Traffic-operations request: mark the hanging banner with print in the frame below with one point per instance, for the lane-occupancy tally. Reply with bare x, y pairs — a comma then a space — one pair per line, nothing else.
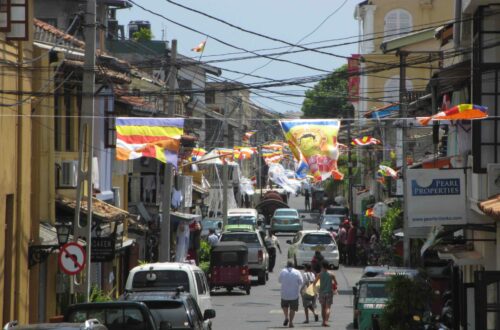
316, 141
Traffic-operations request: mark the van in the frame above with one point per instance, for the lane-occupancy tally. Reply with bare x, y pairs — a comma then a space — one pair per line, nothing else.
242, 217
169, 276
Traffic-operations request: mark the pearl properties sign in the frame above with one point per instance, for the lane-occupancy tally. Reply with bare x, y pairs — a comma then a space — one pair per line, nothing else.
436, 197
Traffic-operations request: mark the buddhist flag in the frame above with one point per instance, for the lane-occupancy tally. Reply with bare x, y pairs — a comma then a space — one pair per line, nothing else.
458, 112
248, 135
244, 152
387, 171
149, 137
200, 48
369, 212
365, 141
316, 140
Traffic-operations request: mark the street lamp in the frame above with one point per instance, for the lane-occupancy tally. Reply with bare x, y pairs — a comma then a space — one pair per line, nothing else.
39, 253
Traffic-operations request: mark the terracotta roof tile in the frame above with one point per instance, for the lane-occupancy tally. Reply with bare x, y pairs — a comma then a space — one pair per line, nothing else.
58, 33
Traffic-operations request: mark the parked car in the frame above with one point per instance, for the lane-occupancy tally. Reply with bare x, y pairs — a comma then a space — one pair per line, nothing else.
370, 294
169, 276
306, 242
86, 325
286, 220
258, 258
175, 309
242, 217
330, 221
116, 315
211, 223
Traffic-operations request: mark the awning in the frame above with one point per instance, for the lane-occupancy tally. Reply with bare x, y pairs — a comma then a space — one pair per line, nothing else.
101, 210
461, 255
48, 235
385, 111
453, 77
491, 207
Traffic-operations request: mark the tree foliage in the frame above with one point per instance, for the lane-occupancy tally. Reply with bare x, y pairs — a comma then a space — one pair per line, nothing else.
143, 34
408, 297
328, 98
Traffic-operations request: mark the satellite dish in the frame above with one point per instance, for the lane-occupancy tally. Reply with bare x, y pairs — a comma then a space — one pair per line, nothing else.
380, 209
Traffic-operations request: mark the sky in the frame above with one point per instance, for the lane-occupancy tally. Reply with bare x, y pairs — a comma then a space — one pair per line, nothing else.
288, 20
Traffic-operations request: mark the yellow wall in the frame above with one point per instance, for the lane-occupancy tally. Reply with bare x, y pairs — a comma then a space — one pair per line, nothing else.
15, 180
422, 17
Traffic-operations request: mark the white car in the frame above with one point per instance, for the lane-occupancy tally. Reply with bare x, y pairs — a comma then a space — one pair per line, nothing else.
306, 242
168, 276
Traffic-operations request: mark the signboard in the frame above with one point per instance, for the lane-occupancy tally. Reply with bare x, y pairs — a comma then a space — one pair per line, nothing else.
72, 258
353, 69
436, 197
103, 249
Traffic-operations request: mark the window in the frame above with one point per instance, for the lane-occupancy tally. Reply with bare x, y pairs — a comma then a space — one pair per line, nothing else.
210, 97
162, 279
4, 15
391, 89
486, 88
199, 283
18, 20
109, 124
240, 237
317, 239
397, 22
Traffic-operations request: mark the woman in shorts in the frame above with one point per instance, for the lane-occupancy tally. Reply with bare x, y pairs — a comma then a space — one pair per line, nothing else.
327, 287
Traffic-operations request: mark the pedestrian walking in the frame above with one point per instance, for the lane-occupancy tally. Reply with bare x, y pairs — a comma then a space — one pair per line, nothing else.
351, 245
306, 200
327, 288
341, 242
291, 282
308, 301
272, 244
213, 239
316, 262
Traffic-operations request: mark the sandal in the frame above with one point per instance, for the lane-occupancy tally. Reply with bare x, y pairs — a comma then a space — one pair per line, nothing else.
285, 322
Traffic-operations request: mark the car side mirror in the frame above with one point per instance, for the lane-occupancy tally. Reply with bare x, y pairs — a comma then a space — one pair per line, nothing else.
208, 314
165, 325
288, 241
354, 291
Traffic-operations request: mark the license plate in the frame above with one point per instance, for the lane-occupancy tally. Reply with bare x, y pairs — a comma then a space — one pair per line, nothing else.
318, 248
285, 222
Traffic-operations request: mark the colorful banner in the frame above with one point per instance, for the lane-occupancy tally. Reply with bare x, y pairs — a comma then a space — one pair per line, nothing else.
458, 112
149, 137
244, 152
272, 153
248, 135
192, 154
387, 171
316, 141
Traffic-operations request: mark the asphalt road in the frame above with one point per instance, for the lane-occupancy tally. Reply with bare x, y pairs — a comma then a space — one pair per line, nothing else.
261, 309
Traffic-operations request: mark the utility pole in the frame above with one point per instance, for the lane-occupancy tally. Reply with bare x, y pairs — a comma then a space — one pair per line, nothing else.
225, 171
164, 245
83, 229
404, 115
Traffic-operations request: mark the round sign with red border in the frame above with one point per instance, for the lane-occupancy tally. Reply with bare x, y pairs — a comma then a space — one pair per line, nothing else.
72, 258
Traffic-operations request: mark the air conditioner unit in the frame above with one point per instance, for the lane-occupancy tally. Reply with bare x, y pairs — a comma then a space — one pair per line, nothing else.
493, 173
69, 174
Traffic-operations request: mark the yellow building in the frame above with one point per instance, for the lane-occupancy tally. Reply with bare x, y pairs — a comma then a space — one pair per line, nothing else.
15, 168
384, 20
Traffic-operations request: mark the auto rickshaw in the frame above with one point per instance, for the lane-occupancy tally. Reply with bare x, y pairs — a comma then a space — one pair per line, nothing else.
229, 267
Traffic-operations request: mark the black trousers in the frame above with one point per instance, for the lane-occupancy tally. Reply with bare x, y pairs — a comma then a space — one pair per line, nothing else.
272, 258
351, 254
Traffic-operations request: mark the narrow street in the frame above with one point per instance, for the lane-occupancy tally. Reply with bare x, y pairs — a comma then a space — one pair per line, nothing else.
261, 309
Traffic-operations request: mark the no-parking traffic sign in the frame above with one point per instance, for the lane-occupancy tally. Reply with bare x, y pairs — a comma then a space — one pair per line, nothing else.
72, 258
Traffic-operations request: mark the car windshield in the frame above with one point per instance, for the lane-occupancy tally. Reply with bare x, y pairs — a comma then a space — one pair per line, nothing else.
240, 237
206, 224
336, 210
317, 239
286, 213
166, 280
170, 311
332, 221
241, 220
373, 290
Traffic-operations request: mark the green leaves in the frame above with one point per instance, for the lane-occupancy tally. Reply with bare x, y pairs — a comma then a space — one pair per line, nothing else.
328, 98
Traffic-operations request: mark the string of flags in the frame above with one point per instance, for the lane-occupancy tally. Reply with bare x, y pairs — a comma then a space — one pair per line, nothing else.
365, 141
200, 48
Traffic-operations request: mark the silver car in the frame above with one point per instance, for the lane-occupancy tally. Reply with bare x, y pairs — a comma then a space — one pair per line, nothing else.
307, 242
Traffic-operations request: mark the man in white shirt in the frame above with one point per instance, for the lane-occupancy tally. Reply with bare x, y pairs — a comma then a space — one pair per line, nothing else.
213, 239
291, 281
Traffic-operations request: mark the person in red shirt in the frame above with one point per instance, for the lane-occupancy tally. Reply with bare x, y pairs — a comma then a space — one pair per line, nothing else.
351, 245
